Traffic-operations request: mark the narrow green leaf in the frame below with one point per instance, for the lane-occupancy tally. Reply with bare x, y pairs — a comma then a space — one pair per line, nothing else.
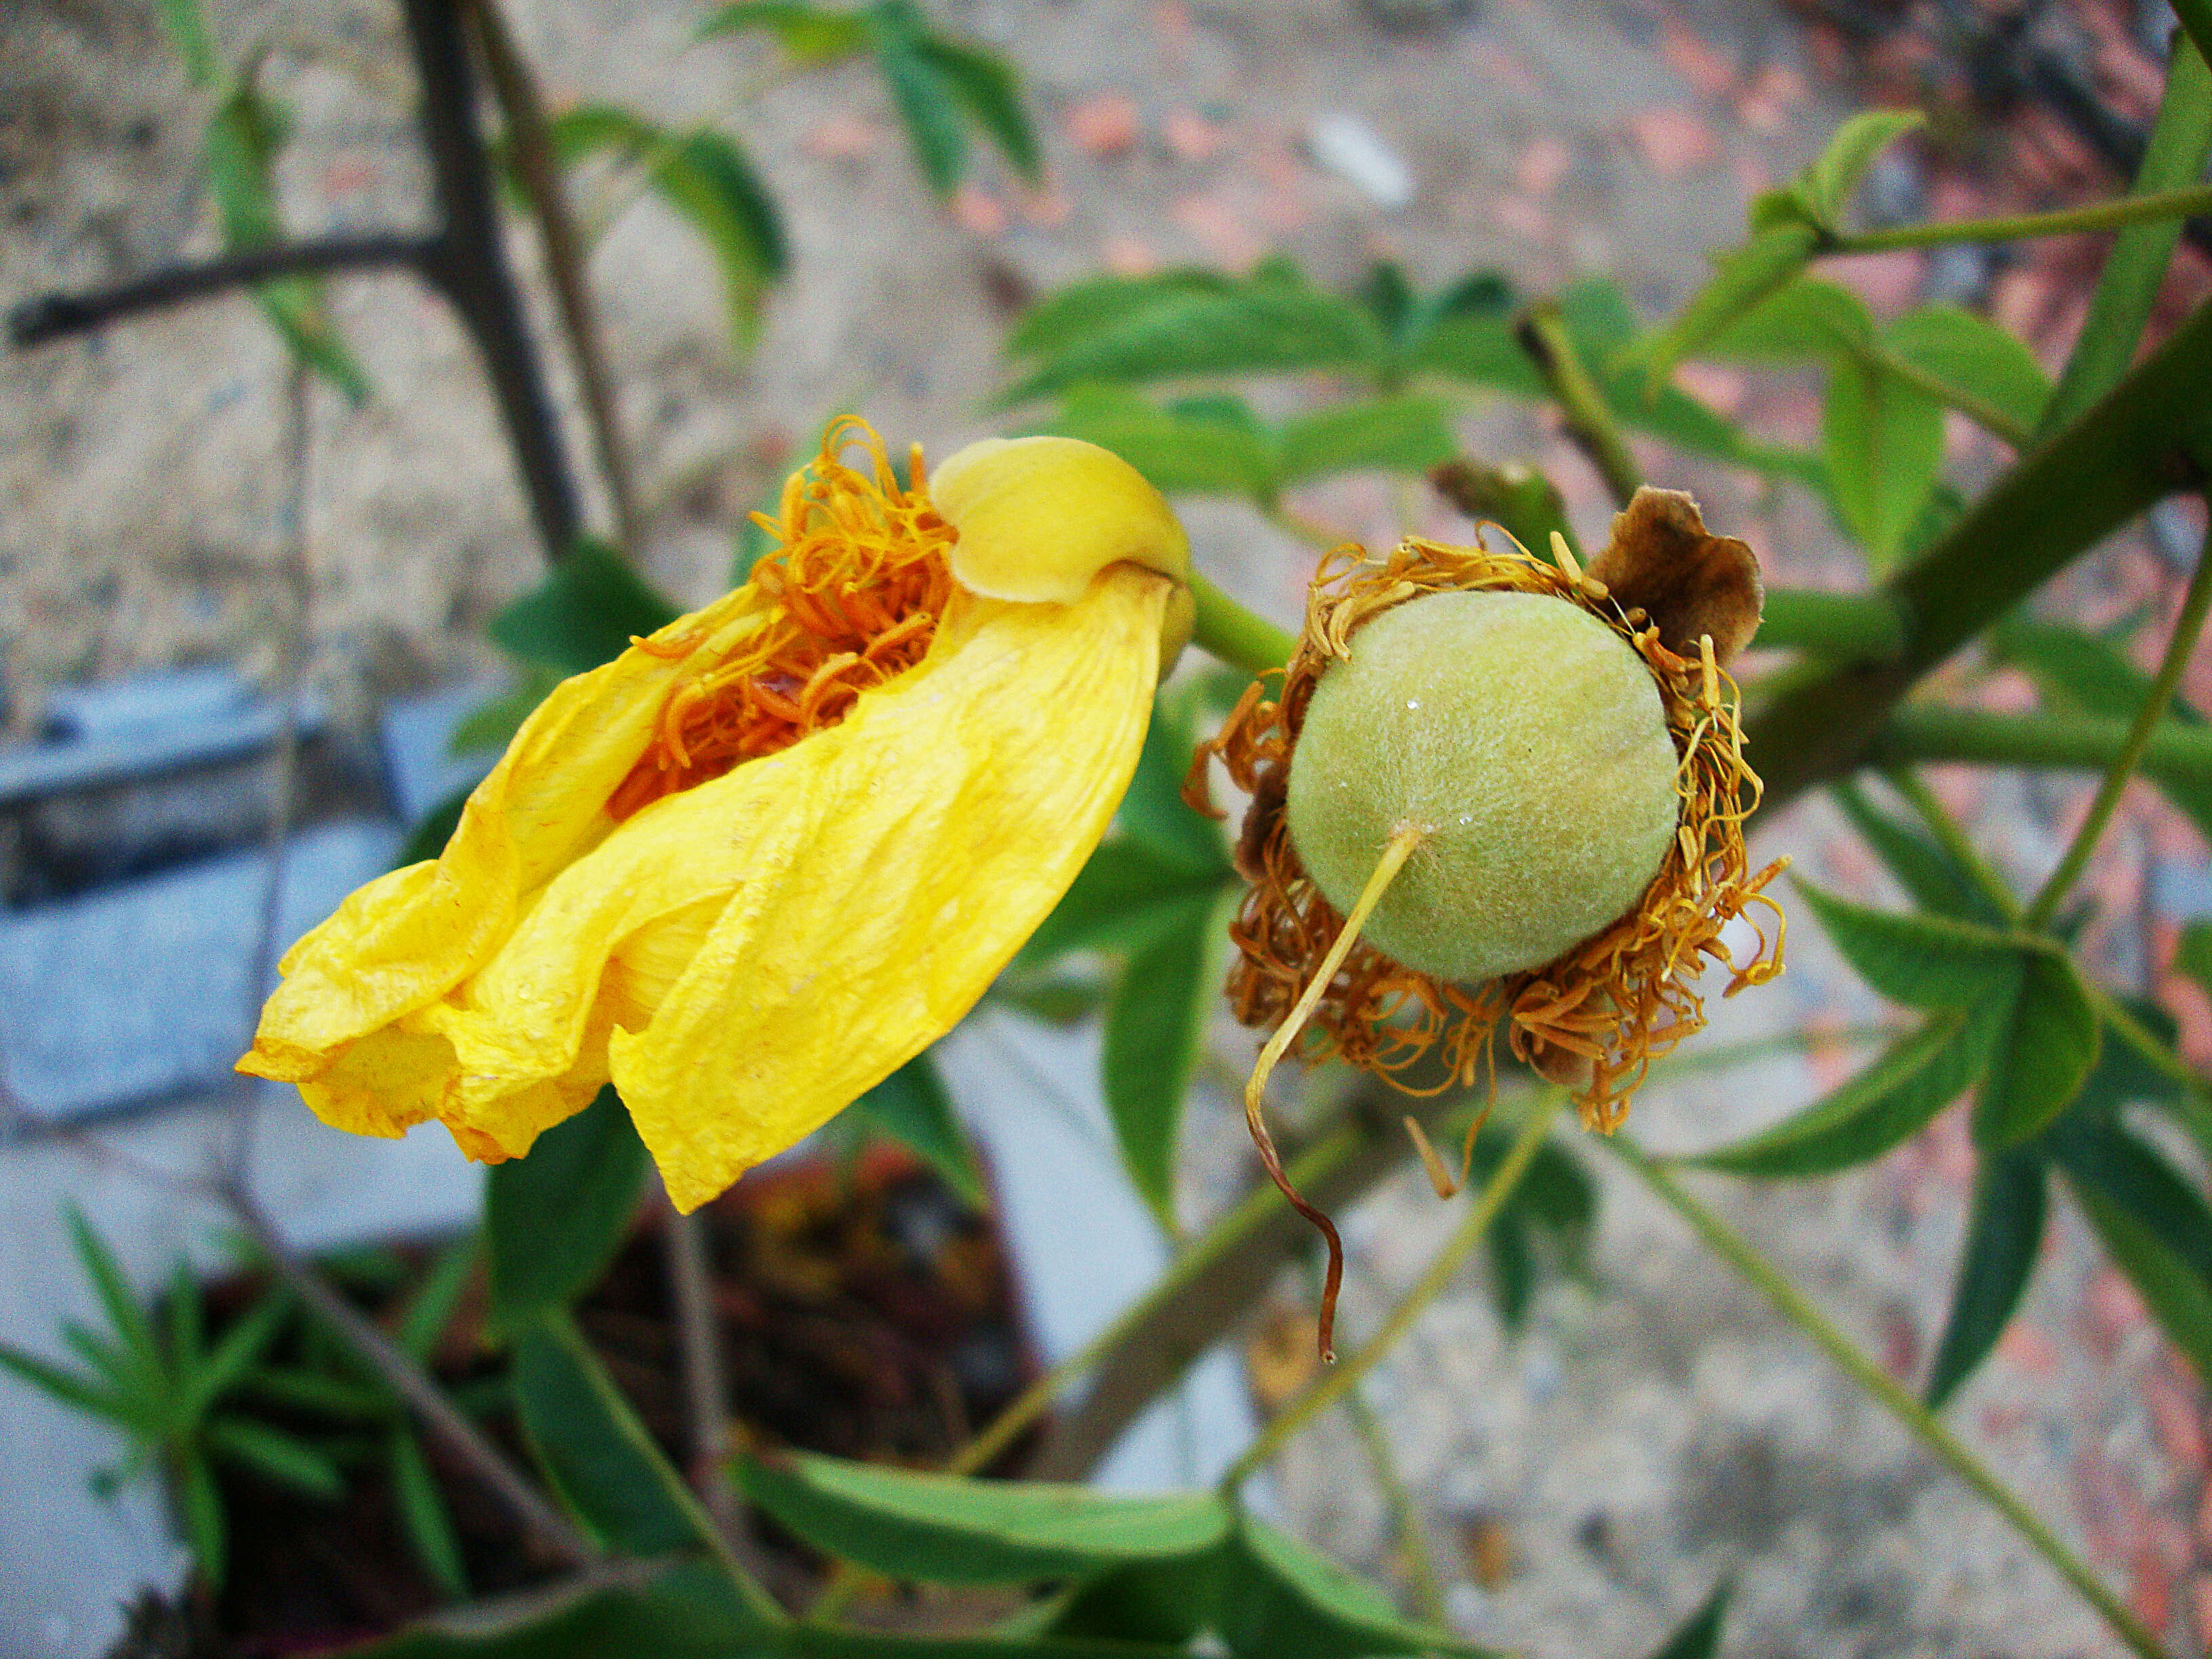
186, 22
991, 92
594, 1449
689, 1612
2152, 1223
813, 35
584, 612
2041, 1063
925, 99
1884, 1106
1127, 897
239, 1347
1827, 183
422, 1513
2004, 1231
1918, 961
1974, 355
1928, 874
1806, 319
1154, 1027
125, 1316
1178, 452
816, 1641
1884, 444
312, 1391
913, 1107
1282, 1601
1699, 1636
1393, 434
199, 1507
1153, 811
65, 1388
283, 1458
553, 1220
432, 1307
2135, 269
943, 1529
1743, 277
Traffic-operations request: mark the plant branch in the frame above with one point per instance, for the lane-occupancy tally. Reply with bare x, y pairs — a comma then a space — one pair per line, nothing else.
1237, 636
2067, 221
2080, 743
1543, 335
56, 316
1884, 1390
1420, 1561
1845, 627
530, 139
706, 1387
1332, 1388
2187, 627
554, 1533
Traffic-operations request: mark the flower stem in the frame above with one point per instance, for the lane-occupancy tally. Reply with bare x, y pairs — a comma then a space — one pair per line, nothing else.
2098, 216
1440, 1272
1885, 1391
2186, 627
1235, 635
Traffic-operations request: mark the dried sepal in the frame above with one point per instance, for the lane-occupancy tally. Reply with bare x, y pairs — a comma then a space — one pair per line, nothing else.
1662, 561
1593, 1017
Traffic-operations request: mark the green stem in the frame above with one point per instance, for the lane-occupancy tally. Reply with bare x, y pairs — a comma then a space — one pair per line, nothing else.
1235, 635
2178, 647
1976, 408
1405, 1516
1884, 1390
2195, 1113
2174, 753
1543, 335
2098, 216
1333, 1387
1852, 627
1953, 840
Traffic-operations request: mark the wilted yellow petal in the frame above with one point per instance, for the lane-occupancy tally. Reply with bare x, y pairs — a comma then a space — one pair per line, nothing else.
892, 865
1039, 517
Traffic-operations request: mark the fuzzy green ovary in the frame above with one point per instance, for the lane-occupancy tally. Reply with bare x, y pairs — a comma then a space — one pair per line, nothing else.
1526, 739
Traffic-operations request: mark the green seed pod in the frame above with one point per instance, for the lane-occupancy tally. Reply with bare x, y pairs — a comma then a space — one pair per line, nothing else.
1528, 743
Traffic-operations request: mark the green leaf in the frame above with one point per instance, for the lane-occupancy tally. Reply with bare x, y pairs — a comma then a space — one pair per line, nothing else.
704, 176
926, 105
1282, 1601
2193, 955
594, 1449
1482, 351
553, 1220
583, 614
312, 1391
1178, 450
283, 1458
942, 1529
1099, 305
1168, 1601
691, 1613
188, 25
1512, 1269
239, 1347
141, 1349
431, 1309
199, 1507
1153, 811
811, 34
1699, 1636
1127, 897
493, 723
65, 1388
914, 1108
1933, 878
814, 1642
2041, 1063
1392, 435
2004, 1231
991, 92
1806, 319
428, 839
1743, 277
1919, 961
422, 1513
1154, 1027
1884, 1106
1975, 356
2151, 1221
1825, 186
1884, 444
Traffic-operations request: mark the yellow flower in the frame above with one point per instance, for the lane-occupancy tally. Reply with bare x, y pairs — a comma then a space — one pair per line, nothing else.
765, 857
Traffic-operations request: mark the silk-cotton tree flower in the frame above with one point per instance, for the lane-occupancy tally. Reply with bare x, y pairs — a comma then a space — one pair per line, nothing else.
766, 856
1495, 792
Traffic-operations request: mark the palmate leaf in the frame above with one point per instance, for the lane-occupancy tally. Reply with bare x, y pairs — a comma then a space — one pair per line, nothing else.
1742, 276
279, 1456
946, 1530
2151, 1221
2004, 1231
1127, 897
583, 613
1280, 1600
1970, 353
813, 35
1930, 876
2044, 1057
1915, 960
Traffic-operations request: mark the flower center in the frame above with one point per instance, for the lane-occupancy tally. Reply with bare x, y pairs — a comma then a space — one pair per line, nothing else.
850, 599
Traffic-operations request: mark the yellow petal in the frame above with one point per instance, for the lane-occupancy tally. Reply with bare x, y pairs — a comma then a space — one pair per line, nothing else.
889, 867
1039, 517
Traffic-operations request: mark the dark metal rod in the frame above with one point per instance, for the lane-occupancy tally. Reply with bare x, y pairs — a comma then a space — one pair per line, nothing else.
55, 316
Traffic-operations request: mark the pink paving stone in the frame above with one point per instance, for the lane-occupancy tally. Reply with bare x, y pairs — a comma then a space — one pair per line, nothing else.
1190, 135
1105, 125
1671, 140
1129, 256
978, 212
2026, 1347
2113, 1308
1539, 168
1226, 238
1493, 63
1709, 74
1522, 217
1889, 283
1714, 384
2185, 1000
2150, 1588
1048, 208
845, 136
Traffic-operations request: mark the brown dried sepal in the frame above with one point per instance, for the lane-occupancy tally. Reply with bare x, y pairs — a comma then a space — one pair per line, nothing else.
1594, 1019
1662, 561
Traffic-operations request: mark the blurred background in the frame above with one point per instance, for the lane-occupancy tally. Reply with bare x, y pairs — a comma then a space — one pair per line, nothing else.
219, 577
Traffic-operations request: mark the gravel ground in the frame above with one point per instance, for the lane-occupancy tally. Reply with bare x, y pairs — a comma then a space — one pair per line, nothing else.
1657, 1427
